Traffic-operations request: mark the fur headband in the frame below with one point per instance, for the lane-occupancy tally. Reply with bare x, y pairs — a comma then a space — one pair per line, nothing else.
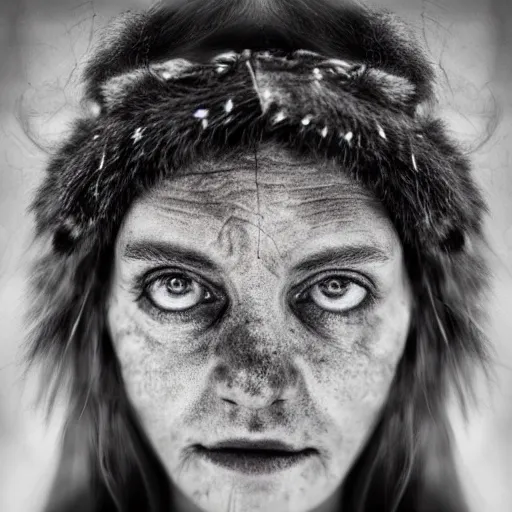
156, 118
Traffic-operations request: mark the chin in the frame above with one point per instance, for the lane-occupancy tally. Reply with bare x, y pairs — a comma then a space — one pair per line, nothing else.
254, 485
255, 496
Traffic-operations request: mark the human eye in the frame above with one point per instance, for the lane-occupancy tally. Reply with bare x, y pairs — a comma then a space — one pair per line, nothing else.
177, 292
335, 294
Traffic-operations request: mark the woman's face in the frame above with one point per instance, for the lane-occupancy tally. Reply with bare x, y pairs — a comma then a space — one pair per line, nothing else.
258, 312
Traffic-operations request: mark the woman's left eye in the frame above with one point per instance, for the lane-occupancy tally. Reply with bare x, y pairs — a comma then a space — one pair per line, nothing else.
336, 294
177, 292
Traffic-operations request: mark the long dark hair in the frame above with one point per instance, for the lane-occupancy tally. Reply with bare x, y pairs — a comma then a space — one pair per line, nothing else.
70, 333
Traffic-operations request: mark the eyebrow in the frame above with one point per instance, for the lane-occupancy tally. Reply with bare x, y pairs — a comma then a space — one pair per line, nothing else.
151, 251
348, 255
148, 250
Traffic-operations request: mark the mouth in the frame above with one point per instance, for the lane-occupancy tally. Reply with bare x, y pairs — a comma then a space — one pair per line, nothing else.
254, 457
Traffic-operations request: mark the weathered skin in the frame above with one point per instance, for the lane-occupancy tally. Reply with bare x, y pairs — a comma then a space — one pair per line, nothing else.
251, 365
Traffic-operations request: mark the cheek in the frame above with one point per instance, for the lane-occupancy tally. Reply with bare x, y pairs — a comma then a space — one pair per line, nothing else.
154, 376
353, 378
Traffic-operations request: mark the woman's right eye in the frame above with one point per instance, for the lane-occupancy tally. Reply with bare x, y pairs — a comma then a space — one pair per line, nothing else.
177, 292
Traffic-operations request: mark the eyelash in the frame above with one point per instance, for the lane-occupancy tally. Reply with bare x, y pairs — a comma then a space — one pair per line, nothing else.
144, 282
366, 283
298, 294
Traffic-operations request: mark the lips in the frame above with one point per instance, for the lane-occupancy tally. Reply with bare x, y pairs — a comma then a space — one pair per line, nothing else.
254, 457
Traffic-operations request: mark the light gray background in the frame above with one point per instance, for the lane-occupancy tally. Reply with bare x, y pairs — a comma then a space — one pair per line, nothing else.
43, 43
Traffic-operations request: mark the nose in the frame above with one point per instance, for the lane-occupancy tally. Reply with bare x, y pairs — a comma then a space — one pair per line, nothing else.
256, 387
252, 373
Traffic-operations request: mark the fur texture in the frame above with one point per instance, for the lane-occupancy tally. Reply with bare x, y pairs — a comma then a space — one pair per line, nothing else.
156, 119
167, 92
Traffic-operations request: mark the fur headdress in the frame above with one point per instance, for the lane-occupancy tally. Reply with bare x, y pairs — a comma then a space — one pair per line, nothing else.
355, 95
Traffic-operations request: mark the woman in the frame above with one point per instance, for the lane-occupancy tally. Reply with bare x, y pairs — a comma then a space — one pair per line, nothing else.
263, 264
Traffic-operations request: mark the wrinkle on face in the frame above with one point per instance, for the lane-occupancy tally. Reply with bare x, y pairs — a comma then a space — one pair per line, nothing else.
267, 366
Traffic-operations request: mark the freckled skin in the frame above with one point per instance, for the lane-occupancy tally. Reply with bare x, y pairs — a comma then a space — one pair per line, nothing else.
261, 370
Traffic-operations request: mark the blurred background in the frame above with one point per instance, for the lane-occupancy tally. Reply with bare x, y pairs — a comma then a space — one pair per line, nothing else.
42, 46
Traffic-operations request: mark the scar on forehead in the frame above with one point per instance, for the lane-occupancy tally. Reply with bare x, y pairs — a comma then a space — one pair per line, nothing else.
232, 237
267, 154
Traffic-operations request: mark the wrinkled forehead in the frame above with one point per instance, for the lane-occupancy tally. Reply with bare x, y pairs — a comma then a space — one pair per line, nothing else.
287, 201
269, 160
272, 176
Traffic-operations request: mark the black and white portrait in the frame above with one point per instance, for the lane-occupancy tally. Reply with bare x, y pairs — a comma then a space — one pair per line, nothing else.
262, 261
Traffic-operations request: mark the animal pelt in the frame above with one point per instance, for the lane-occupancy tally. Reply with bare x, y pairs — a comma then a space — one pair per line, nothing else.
348, 85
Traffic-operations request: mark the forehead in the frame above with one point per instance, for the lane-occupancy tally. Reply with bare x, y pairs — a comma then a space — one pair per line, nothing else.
285, 203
